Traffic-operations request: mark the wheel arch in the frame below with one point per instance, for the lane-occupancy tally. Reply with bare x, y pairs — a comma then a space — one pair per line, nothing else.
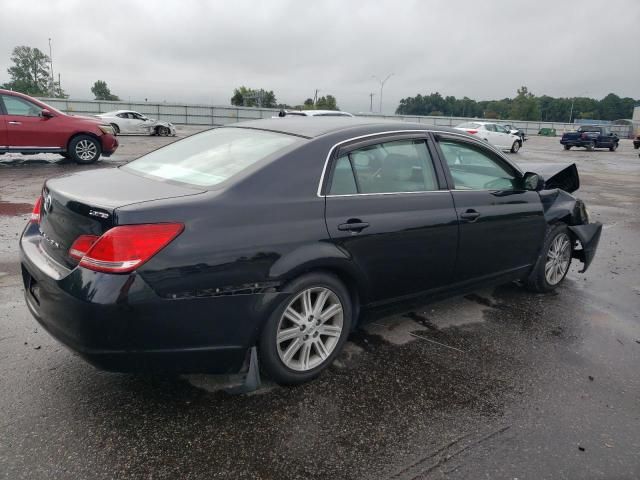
88, 134
324, 258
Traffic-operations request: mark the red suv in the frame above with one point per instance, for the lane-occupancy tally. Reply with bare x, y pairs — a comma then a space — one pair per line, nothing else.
29, 126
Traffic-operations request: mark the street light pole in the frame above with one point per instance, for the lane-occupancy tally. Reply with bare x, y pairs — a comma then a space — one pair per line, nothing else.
52, 82
382, 82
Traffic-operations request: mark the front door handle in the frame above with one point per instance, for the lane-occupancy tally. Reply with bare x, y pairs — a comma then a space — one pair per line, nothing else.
353, 226
13, 122
470, 215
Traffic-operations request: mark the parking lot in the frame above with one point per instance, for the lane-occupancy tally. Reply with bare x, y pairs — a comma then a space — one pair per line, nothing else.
501, 383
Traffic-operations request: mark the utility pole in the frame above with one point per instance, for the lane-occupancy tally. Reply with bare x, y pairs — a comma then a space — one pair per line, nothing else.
315, 97
371, 95
52, 81
382, 82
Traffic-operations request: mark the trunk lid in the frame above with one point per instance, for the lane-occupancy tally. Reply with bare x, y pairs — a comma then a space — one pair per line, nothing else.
84, 204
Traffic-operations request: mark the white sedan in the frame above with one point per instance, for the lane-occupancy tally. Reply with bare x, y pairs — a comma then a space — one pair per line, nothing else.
493, 133
128, 121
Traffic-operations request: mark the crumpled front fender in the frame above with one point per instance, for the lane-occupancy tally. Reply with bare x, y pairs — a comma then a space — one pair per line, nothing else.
589, 237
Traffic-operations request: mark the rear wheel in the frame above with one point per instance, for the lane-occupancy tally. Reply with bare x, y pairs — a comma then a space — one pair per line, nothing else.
591, 146
567, 147
307, 331
116, 128
554, 260
515, 147
84, 149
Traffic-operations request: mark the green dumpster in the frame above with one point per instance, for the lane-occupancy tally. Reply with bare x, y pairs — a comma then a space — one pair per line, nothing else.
547, 132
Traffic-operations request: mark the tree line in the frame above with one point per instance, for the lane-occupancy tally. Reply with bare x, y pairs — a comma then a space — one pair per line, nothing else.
252, 97
524, 106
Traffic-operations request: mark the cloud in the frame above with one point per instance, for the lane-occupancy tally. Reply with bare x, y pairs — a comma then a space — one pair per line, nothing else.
197, 51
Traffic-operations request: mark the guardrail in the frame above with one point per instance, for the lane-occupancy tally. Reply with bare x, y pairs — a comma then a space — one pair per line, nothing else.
197, 114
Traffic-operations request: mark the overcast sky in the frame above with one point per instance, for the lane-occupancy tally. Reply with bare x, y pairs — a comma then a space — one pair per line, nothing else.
199, 51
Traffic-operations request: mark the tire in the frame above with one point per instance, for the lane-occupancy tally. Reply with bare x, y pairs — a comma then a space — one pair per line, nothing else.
613, 147
116, 129
305, 351
162, 131
591, 146
548, 273
567, 147
515, 147
84, 149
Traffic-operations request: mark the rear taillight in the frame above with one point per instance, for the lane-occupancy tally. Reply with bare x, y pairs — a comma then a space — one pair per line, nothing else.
472, 131
125, 248
37, 208
82, 245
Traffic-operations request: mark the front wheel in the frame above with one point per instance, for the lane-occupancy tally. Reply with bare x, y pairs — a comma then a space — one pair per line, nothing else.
163, 131
515, 147
554, 260
84, 149
591, 146
307, 331
613, 147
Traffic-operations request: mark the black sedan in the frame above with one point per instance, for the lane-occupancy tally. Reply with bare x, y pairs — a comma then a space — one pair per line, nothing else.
280, 234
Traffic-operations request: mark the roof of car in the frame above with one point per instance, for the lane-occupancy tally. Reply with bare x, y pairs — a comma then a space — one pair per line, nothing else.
311, 128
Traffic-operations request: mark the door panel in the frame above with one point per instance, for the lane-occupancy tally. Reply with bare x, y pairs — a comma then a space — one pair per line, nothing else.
506, 235
25, 126
409, 244
501, 225
386, 210
3, 131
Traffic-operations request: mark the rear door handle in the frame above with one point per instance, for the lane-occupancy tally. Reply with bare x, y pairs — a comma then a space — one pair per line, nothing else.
352, 226
13, 122
470, 215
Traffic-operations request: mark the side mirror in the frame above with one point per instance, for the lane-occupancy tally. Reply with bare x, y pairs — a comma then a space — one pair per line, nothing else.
533, 181
44, 113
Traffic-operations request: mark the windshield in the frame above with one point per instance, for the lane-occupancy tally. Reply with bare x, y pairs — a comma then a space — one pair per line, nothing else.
211, 157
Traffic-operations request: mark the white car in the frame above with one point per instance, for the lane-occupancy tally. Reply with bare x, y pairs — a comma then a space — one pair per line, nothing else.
128, 121
314, 113
493, 133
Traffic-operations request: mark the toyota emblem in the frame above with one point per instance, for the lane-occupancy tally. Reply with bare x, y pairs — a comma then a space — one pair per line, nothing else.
47, 203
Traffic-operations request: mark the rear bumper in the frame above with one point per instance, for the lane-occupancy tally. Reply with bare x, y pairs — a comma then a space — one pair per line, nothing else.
109, 144
118, 323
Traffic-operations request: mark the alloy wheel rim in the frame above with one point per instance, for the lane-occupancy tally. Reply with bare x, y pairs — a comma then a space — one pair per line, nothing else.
309, 329
558, 258
86, 150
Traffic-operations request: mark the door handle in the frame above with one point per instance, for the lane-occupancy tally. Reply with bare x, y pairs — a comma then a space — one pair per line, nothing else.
353, 226
470, 215
13, 122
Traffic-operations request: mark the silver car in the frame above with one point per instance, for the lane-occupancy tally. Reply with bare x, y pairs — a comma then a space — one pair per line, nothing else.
131, 122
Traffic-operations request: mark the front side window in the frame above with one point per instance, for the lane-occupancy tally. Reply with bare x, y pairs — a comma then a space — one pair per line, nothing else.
209, 158
392, 167
20, 106
474, 169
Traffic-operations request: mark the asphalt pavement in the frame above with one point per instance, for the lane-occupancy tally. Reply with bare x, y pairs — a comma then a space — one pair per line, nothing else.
501, 383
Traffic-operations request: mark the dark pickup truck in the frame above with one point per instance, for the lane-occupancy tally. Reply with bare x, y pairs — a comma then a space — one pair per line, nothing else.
590, 137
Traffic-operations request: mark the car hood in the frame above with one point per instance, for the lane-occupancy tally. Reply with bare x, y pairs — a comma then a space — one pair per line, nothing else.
556, 175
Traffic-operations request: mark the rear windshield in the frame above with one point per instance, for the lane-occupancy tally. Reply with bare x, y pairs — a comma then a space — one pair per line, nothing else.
211, 157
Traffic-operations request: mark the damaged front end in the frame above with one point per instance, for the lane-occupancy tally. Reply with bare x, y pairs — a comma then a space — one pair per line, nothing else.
560, 206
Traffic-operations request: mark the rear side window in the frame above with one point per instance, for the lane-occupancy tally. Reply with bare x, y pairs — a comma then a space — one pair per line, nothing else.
392, 167
211, 157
